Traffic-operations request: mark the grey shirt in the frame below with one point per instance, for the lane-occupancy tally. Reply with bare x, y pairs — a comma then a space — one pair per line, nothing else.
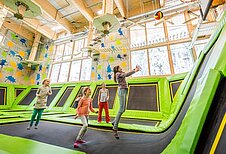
42, 99
121, 78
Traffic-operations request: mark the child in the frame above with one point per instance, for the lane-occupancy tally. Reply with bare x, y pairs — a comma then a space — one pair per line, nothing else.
76, 104
84, 106
103, 98
120, 78
42, 95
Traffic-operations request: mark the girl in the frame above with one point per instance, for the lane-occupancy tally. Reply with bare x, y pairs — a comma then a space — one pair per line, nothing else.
103, 98
84, 106
120, 78
42, 95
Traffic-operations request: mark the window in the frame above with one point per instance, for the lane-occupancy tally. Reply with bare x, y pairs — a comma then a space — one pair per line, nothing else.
68, 51
85, 45
140, 58
67, 65
86, 69
155, 34
75, 70
182, 57
55, 72
59, 52
137, 36
176, 28
194, 15
199, 46
64, 72
77, 49
159, 61
170, 3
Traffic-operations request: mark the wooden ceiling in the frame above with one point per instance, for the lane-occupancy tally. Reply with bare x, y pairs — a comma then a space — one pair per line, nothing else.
75, 15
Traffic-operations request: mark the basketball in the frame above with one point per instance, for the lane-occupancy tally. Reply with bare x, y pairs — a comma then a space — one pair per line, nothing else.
158, 15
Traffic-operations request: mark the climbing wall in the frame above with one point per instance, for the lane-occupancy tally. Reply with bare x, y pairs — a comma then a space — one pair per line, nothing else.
114, 51
13, 51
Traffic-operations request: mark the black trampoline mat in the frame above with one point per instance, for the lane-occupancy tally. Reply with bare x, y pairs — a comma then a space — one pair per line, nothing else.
98, 142
222, 142
174, 87
143, 97
112, 94
2, 95
64, 97
212, 123
29, 97
123, 120
55, 91
18, 91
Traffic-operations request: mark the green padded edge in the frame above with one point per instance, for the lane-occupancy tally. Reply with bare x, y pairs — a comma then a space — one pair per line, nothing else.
187, 136
16, 145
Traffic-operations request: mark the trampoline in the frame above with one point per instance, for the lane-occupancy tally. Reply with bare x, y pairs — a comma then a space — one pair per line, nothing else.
137, 93
55, 91
64, 97
174, 87
18, 91
2, 95
29, 97
112, 94
124, 120
212, 123
98, 142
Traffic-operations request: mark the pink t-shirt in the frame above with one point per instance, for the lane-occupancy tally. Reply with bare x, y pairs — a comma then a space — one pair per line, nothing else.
84, 106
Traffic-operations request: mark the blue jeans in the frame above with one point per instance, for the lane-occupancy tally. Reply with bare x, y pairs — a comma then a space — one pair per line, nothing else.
35, 112
122, 93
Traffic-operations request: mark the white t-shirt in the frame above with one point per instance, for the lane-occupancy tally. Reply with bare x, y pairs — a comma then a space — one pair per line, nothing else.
103, 95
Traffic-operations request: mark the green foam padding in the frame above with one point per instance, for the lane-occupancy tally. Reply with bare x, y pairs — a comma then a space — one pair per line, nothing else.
16, 145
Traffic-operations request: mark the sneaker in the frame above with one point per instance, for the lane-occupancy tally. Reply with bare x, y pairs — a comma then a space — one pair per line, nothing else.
116, 134
98, 122
29, 127
76, 145
36, 127
81, 141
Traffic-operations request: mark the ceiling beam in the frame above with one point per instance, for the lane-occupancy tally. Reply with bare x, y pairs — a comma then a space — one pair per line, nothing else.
45, 30
19, 29
53, 13
82, 7
108, 6
121, 7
